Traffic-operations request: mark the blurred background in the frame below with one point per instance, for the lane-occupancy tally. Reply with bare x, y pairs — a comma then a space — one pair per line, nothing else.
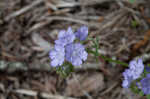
28, 29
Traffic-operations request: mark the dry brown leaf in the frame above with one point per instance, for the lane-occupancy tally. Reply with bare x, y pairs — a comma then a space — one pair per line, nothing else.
142, 42
77, 86
101, 19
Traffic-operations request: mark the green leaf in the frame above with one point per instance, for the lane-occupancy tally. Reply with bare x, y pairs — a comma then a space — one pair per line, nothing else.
144, 73
148, 96
148, 65
134, 88
65, 70
141, 93
108, 59
134, 23
131, 1
96, 47
115, 61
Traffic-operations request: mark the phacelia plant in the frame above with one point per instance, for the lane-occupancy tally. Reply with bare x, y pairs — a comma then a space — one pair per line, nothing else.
69, 52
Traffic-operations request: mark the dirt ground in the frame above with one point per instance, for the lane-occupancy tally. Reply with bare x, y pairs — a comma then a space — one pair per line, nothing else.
28, 29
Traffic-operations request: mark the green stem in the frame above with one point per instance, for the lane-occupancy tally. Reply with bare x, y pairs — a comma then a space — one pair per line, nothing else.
108, 59
114, 61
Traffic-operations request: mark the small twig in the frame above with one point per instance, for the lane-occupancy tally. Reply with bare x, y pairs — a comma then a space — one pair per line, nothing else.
93, 2
62, 3
89, 66
38, 25
67, 19
132, 11
50, 5
85, 17
23, 10
110, 20
11, 67
113, 21
109, 89
50, 19
43, 95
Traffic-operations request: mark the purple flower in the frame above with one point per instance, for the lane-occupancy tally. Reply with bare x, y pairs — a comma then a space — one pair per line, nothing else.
147, 68
133, 72
75, 53
127, 79
65, 37
57, 55
136, 68
145, 84
66, 49
82, 33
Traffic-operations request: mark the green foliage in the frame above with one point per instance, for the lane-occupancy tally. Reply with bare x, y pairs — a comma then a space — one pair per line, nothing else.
134, 88
132, 1
65, 69
144, 73
96, 46
97, 54
134, 23
148, 96
141, 93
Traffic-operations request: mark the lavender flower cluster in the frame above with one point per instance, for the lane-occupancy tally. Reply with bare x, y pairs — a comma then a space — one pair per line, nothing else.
66, 49
134, 72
